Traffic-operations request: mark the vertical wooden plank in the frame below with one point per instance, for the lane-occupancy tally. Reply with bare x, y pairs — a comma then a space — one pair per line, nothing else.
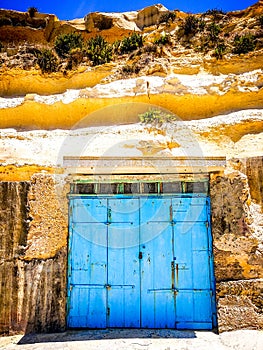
123, 264
157, 296
88, 265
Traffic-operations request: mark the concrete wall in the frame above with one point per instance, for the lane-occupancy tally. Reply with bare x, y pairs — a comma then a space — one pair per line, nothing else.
33, 236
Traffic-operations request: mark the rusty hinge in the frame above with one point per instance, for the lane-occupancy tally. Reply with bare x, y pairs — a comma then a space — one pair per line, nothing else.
140, 255
108, 311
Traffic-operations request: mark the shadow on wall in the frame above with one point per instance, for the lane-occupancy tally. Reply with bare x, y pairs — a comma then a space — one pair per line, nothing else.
84, 335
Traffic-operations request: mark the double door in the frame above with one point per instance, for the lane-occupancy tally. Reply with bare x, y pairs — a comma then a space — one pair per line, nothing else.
140, 262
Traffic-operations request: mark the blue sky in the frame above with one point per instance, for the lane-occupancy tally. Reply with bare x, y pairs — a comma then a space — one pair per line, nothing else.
69, 9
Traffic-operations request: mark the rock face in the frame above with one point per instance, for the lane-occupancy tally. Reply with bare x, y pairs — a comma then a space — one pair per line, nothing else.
240, 305
238, 252
253, 167
33, 283
36, 29
97, 21
150, 15
215, 109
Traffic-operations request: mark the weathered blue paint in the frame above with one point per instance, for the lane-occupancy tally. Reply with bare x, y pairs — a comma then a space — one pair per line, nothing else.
123, 264
141, 262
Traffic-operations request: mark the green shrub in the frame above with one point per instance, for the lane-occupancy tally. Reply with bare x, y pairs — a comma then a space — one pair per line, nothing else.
191, 25
32, 11
75, 58
220, 49
156, 117
244, 44
201, 25
64, 43
167, 17
130, 69
214, 31
98, 50
47, 61
163, 40
215, 13
131, 43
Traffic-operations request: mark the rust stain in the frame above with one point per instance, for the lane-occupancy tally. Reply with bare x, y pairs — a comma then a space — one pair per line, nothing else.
177, 273
173, 277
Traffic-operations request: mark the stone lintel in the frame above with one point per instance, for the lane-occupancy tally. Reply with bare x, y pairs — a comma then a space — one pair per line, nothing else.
143, 165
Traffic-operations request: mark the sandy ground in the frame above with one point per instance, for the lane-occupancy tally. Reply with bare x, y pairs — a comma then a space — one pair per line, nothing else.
137, 340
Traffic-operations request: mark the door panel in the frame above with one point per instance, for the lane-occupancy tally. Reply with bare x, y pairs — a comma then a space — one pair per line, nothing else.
87, 307
157, 294
155, 209
183, 260
88, 276
140, 262
123, 210
89, 210
89, 259
189, 209
123, 275
193, 310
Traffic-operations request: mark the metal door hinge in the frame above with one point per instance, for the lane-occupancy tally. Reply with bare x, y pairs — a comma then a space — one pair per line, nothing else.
140, 255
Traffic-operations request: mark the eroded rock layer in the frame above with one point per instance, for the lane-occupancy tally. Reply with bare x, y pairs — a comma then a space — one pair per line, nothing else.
215, 109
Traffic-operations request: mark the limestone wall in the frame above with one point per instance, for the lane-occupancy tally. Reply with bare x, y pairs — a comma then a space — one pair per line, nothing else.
237, 226
33, 257
33, 224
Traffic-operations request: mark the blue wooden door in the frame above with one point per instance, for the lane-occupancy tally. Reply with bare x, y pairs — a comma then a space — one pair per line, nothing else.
87, 272
123, 263
193, 270
140, 262
157, 294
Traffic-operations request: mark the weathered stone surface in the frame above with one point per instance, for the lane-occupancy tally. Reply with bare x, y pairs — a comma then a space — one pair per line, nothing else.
234, 241
253, 168
41, 295
238, 253
47, 233
32, 290
240, 305
13, 219
150, 15
20, 27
